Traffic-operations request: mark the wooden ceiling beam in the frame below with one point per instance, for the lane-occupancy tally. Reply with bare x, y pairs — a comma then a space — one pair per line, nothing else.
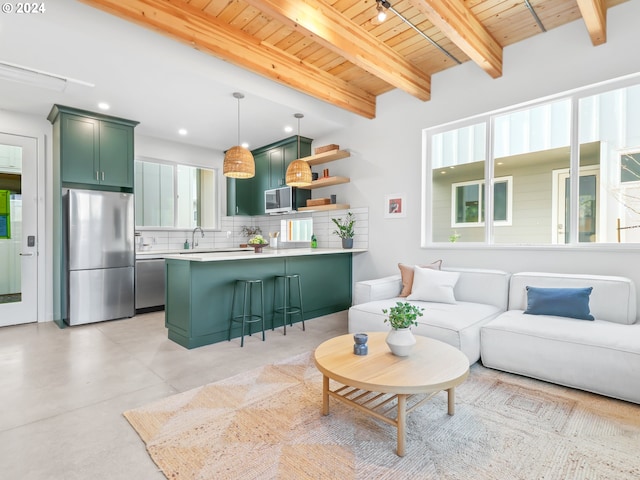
459, 24
318, 20
204, 32
594, 13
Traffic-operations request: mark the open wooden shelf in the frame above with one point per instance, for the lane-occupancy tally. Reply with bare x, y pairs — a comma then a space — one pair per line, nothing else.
331, 206
326, 157
326, 182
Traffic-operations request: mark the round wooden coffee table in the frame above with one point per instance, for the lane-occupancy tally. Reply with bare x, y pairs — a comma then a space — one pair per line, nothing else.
384, 385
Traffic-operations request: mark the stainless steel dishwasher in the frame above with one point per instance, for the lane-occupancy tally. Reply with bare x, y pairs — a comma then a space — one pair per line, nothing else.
149, 284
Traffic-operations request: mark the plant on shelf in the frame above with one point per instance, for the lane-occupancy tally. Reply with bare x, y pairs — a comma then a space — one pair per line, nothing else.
345, 229
403, 315
401, 318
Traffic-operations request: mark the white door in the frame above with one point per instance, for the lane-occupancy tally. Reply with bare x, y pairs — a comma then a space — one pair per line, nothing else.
18, 224
588, 221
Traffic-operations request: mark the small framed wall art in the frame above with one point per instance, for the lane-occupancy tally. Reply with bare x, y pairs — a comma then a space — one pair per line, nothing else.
395, 206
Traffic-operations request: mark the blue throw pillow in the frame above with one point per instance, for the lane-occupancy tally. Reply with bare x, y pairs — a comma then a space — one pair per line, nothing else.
561, 302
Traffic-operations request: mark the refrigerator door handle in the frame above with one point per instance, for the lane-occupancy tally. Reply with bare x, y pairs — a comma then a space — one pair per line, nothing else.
30, 254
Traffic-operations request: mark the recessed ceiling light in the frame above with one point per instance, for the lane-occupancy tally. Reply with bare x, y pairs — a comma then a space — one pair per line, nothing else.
245, 145
183, 131
103, 106
288, 129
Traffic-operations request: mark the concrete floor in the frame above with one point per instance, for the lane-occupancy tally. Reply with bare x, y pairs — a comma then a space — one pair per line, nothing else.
63, 391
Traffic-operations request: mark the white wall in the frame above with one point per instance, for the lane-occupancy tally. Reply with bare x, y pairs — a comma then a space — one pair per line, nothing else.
160, 149
387, 151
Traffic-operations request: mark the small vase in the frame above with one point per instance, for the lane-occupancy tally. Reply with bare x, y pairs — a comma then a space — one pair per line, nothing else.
360, 346
400, 341
347, 243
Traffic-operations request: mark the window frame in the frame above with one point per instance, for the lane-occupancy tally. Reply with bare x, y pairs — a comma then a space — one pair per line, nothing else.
482, 206
217, 194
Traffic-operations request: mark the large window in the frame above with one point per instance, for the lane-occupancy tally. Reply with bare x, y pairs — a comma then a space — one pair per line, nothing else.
179, 196
563, 171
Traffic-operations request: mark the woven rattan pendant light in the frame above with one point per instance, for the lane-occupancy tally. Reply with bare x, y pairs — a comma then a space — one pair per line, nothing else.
298, 171
238, 161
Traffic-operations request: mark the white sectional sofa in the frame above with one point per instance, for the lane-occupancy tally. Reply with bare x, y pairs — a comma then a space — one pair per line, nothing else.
488, 321
601, 356
480, 295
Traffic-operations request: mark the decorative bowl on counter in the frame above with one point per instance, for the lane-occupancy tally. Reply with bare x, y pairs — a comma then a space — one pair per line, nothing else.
258, 246
257, 242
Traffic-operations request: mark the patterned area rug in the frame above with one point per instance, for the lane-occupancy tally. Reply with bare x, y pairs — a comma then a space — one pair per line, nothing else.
266, 424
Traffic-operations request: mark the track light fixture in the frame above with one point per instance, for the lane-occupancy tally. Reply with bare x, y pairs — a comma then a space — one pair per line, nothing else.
382, 6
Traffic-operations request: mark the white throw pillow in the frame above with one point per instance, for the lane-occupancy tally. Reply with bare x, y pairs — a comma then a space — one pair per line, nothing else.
433, 285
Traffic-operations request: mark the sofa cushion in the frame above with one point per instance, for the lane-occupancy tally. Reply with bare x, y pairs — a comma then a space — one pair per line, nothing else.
562, 302
433, 285
406, 272
456, 324
598, 356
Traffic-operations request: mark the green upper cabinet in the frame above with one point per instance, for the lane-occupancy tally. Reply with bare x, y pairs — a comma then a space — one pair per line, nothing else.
246, 197
94, 149
116, 154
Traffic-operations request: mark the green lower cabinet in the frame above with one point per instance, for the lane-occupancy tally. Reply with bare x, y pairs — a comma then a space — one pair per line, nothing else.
199, 294
326, 282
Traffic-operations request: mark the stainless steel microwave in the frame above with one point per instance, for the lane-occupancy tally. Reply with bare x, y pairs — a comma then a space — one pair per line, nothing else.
278, 200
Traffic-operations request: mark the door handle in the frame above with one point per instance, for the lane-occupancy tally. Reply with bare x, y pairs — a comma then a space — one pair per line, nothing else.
30, 254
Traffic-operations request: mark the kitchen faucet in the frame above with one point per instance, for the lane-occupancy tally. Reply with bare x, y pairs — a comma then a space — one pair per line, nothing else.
194, 244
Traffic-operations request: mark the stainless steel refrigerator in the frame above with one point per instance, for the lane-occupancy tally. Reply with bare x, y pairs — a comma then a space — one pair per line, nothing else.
100, 255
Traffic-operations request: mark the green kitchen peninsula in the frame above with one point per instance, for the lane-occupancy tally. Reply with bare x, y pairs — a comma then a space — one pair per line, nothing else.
199, 288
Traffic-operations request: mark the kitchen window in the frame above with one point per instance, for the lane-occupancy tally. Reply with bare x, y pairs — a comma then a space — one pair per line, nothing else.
175, 196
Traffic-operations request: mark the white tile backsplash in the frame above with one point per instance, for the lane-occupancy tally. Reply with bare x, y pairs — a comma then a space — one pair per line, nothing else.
230, 235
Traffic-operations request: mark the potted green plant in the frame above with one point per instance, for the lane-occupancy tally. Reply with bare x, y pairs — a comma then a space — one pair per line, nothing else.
401, 318
345, 229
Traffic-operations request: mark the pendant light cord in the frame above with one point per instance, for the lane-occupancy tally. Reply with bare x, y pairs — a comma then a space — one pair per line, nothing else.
239, 96
299, 116
298, 137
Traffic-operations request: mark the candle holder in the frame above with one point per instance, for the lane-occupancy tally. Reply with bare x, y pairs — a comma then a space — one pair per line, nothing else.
360, 347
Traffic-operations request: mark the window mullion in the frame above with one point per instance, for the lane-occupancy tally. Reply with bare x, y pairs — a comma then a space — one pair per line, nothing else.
574, 171
488, 181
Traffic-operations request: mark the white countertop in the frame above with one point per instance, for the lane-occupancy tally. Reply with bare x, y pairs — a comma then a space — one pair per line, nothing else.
266, 253
148, 254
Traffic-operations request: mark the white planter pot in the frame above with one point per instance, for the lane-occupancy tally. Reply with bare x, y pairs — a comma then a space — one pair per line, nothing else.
401, 341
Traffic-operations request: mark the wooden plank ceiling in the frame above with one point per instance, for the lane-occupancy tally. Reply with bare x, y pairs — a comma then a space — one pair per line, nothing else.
338, 51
